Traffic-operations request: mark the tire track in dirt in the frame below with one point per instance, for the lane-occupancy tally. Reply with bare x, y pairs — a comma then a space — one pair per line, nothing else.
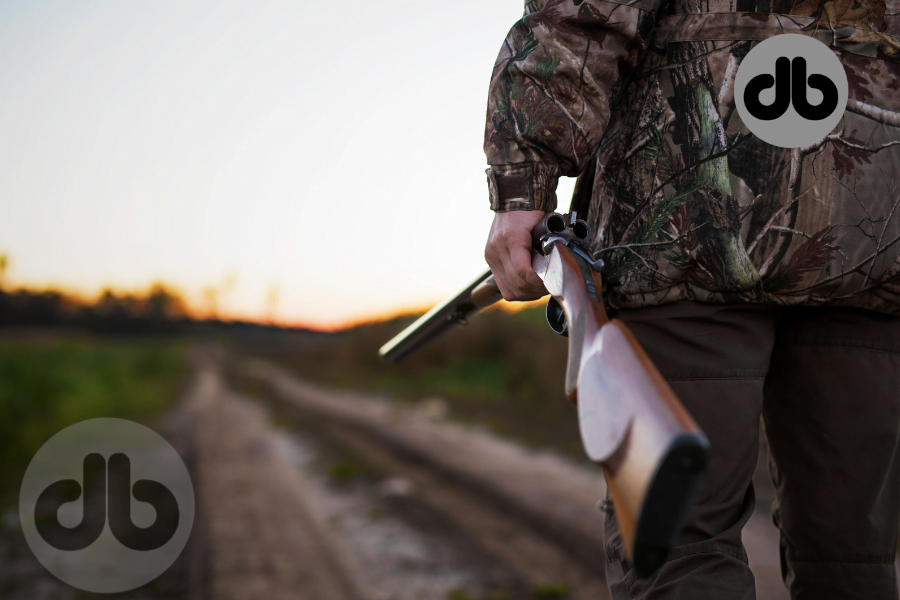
533, 512
491, 527
543, 493
259, 538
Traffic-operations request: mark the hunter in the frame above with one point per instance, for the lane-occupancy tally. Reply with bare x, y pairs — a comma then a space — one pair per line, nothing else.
761, 280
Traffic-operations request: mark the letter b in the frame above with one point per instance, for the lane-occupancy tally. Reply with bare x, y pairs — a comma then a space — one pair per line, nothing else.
820, 82
145, 490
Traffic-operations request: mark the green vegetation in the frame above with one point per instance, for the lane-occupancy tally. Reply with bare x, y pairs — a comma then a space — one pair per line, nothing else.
343, 471
550, 591
459, 594
46, 386
503, 370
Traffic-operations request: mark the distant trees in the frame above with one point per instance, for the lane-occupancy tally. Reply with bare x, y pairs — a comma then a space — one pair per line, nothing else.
159, 309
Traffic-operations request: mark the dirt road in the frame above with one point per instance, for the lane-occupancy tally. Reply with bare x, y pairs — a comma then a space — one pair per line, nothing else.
265, 539
260, 539
307, 492
526, 521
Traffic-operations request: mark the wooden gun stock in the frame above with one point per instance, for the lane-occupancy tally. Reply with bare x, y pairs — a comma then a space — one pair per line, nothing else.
652, 453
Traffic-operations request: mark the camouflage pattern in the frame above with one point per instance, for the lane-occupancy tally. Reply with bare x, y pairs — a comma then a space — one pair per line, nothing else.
687, 203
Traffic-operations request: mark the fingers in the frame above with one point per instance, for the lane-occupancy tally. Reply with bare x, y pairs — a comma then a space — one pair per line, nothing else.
508, 253
512, 286
497, 254
501, 284
525, 280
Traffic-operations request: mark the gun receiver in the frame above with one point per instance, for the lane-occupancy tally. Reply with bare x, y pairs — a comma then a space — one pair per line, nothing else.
652, 453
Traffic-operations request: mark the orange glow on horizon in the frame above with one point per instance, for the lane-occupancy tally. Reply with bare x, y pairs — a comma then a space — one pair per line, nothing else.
74, 298
508, 307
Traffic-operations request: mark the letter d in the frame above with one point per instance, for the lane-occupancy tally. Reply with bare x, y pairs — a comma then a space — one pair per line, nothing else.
782, 83
46, 511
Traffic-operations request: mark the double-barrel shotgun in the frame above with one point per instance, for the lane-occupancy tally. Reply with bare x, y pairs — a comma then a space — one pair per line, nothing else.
651, 451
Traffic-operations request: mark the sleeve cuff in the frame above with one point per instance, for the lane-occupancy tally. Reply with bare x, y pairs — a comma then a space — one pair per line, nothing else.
524, 186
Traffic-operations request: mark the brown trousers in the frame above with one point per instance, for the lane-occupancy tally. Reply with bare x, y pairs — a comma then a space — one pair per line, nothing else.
827, 385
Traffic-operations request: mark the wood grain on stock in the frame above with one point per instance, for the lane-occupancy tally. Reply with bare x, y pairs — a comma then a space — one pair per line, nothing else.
631, 469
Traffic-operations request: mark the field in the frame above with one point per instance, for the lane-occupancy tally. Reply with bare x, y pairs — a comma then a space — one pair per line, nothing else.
48, 384
504, 371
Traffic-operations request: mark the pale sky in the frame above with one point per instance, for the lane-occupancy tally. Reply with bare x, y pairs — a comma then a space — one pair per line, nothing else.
328, 154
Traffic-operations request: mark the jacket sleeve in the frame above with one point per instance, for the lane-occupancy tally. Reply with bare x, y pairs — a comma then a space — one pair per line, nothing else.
550, 93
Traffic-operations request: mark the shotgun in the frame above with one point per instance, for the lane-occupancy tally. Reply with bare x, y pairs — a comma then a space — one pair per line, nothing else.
651, 451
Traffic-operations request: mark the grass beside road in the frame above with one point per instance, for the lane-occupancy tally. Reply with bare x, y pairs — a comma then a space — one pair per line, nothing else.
46, 386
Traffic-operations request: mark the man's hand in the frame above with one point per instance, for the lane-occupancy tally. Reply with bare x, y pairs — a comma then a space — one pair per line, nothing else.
508, 254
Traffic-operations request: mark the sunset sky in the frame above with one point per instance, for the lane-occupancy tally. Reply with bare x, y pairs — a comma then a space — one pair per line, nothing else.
319, 162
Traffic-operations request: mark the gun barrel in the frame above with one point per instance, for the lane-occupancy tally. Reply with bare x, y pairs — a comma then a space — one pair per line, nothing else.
479, 294
558, 224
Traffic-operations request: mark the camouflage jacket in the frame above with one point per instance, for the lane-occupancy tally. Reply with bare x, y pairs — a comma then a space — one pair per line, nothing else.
686, 203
